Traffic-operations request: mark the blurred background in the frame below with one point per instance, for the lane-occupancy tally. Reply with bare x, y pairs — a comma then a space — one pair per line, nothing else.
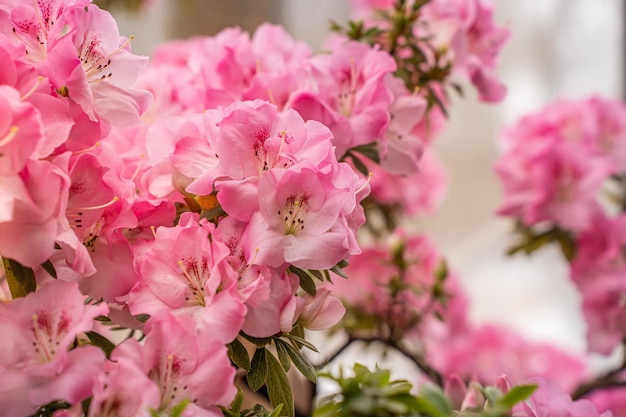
559, 49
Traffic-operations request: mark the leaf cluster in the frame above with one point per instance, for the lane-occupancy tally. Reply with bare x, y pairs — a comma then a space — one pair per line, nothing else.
268, 367
530, 239
374, 394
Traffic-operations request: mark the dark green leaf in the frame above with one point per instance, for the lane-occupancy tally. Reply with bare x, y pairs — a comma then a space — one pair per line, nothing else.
258, 370
568, 246
142, 317
517, 394
283, 355
369, 150
278, 386
306, 280
49, 268
238, 354
317, 274
259, 341
212, 213
300, 341
343, 263
21, 279
300, 361
337, 270
102, 342
359, 165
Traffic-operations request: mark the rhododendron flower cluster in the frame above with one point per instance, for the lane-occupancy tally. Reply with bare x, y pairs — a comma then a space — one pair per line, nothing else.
562, 172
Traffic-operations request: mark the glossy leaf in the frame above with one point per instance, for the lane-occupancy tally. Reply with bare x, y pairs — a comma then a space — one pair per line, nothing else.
258, 370
21, 279
278, 386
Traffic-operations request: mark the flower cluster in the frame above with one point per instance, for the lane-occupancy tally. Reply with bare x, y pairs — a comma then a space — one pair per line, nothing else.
562, 171
188, 220
168, 227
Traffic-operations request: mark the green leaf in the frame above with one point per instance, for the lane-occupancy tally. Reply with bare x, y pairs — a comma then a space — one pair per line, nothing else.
212, 214
567, 244
317, 274
359, 165
21, 279
517, 394
300, 341
369, 150
283, 354
436, 402
143, 317
180, 408
343, 263
306, 282
238, 354
49, 268
258, 370
278, 386
102, 342
339, 271
300, 361
277, 411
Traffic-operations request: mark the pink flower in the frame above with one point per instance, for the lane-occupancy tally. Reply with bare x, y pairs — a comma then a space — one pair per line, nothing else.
552, 400
348, 94
320, 311
487, 351
183, 363
610, 400
402, 149
35, 362
466, 28
95, 66
124, 391
32, 206
276, 312
184, 272
547, 170
298, 221
21, 131
416, 194
598, 270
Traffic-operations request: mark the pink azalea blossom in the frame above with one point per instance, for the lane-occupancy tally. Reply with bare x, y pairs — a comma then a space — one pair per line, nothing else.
609, 400
348, 94
298, 221
487, 351
95, 66
32, 206
184, 272
551, 400
21, 131
320, 311
416, 194
598, 270
36, 365
183, 365
546, 169
124, 391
